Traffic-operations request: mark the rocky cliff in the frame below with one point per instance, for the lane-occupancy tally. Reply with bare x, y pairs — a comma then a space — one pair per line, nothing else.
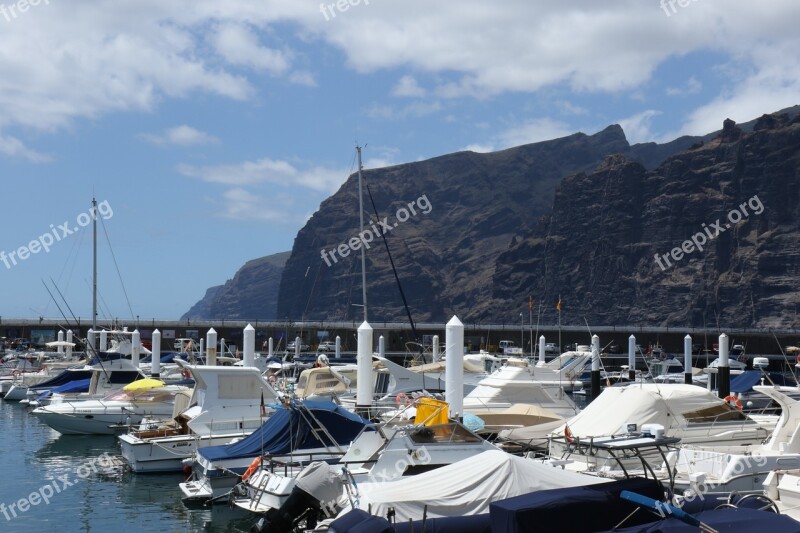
251, 294
711, 236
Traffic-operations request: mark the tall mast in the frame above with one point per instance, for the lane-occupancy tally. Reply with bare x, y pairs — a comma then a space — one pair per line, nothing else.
94, 265
361, 218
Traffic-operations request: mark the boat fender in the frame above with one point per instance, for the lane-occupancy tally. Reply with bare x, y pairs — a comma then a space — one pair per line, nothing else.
251, 469
733, 401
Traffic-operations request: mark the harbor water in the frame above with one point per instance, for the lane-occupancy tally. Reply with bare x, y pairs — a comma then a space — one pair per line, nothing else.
86, 486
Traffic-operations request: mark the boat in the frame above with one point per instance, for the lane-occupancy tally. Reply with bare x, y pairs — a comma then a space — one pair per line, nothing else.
115, 413
297, 433
227, 403
687, 412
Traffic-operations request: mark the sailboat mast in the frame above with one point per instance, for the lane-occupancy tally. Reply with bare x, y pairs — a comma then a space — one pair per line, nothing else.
361, 218
94, 265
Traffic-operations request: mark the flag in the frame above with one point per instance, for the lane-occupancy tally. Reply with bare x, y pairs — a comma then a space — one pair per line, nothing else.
530, 303
263, 407
558, 304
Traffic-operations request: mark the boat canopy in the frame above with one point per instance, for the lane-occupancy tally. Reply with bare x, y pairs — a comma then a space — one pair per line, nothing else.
745, 381
292, 428
467, 487
671, 405
67, 376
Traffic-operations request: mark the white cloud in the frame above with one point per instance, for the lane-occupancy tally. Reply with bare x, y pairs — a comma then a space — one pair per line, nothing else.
531, 131
302, 77
180, 135
408, 87
239, 45
13, 147
693, 86
638, 127
270, 171
240, 204
415, 109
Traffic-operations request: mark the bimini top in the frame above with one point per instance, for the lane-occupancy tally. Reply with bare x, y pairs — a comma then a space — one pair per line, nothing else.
672, 405
292, 428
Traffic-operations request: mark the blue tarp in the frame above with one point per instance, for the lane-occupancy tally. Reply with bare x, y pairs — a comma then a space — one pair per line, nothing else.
291, 429
165, 358
63, 378
80, 385
728, 520
745, 381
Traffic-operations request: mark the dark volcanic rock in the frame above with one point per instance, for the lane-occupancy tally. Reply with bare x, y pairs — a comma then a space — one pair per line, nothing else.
597, 248
251, 294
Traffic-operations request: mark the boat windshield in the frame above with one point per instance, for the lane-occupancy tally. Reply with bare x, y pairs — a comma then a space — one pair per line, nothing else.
716, 413
444, 433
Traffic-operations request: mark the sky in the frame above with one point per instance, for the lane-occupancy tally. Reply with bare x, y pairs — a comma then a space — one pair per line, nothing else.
210, 131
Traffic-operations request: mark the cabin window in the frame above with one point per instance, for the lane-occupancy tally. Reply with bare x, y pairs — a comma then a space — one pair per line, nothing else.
715, 413
442, 434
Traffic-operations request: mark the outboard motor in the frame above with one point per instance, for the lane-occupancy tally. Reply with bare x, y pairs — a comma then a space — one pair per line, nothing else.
316, 485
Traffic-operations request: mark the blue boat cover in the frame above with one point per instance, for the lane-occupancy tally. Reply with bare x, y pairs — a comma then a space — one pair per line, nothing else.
358, 521
589, 508
63, 378
745, 381
290, 429
80, 385
728, 520
481, 523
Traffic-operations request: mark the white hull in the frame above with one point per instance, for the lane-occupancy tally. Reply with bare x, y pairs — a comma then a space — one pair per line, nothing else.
166, 454
16, 393
101, 424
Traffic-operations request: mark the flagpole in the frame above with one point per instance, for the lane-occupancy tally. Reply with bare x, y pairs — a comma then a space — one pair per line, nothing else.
559, 325
530, 321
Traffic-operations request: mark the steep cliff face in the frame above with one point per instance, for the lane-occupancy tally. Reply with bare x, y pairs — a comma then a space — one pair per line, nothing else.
251, 294
445, 258
722, 219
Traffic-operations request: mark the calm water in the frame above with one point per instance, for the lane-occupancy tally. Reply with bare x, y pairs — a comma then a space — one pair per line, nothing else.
108, 499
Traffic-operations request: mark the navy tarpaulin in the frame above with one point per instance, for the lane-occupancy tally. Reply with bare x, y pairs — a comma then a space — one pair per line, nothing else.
745, 381
589, 508
64, 377
452, 524
80, 385
728, 520
292, 428
358, 521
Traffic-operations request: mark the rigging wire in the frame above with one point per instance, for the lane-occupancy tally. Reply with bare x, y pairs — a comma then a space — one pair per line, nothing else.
116, 266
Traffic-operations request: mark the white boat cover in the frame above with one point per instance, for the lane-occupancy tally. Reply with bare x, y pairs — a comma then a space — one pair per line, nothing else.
668, 404
467, 487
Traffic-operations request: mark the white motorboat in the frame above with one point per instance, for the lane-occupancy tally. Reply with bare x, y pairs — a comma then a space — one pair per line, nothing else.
113, 414
227, 403
744, 468
687, 412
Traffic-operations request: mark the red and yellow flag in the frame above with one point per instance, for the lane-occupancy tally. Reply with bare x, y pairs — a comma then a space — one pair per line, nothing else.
558, 305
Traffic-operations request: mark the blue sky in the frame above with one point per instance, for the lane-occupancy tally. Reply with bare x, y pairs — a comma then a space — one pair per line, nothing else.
215, 129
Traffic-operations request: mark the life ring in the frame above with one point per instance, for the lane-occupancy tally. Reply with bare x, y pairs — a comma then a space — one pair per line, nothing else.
733, 401
272, 378
251, 469
402, 399
186, 373
798, 359
568, 435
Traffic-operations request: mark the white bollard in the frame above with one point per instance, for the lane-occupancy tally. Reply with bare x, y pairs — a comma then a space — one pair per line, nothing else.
632, 357
595, 366
542, 350
271, 347
687, 359
69, 348
249, 346
221, 351
211, 348
90, 342
724, 370
454, 367
202, 346
364, 385
60, 347
155, 365
103, 340
296, 348
136, 343
435, 349
338, 347
381, 347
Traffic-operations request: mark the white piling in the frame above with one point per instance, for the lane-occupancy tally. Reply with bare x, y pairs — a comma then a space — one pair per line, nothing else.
454, 367
632, 357
687, 359
364, 359
435, 349
60, 347
155, 365
211, 347
69, 348
724, 369
296, 348
221, 351
595, 366
382, 347
542, 350
338, 347
202, 346
271, 347
90, 342
136, 343
103, 340
249, 346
